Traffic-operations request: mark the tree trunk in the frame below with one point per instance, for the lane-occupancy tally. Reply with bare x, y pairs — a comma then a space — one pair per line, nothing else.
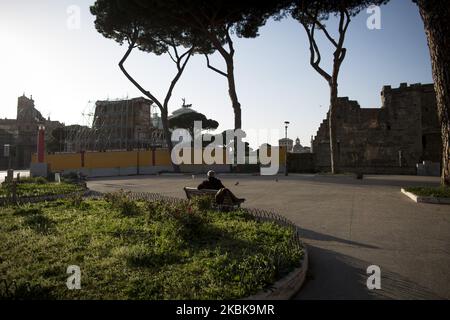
168, 137
436, 17
332, 128
232, 92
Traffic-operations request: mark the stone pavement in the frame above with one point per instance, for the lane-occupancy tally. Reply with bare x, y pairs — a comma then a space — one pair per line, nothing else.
348, 225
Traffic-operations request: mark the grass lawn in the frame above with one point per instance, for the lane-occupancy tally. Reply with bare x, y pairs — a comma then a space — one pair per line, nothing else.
438, 192
140, 250
32, 189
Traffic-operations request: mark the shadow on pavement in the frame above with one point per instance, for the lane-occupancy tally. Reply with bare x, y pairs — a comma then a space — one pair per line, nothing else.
313, 235
337, 276
390, 181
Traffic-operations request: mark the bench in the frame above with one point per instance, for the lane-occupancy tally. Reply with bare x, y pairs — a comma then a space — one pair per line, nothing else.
227, 204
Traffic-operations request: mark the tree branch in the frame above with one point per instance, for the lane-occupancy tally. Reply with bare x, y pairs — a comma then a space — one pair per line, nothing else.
344, 22
348, 20
343, 27
314, 50
342, 56
230, 42
171, 57
210, 35
341, 21
322, 28
177, 76
187, 52
215, 69
224, 53
131, 79
175, 50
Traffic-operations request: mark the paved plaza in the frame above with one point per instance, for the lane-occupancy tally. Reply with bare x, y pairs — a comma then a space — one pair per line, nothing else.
348, 225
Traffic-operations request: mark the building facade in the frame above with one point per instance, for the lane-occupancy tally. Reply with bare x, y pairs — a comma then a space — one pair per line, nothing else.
286, 142
126, 124
21, 133
298, 148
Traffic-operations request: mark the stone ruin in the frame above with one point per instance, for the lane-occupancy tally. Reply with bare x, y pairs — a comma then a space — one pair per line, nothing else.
393, 139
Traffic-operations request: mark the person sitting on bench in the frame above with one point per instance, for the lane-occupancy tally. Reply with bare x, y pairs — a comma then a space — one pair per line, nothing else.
215, 184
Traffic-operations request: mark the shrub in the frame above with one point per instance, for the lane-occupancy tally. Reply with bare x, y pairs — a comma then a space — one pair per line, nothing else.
34, 218
27, 210
438, 192
142, 255
71, 177
23, 291
202, 203
39, 223
77, 201
121, 201
29, 180
157, 210
40, 180
191, 218
188, 217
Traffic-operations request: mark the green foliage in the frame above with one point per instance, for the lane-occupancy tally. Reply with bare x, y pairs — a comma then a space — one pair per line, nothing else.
40, 180
438, 192
164, 251
41, 187
34, 218
202, 203
124, 22
76, 201
23, 291
198, 19
27, 210
71, 177
186, 121
310, 10
188, 219
121, 201
31, 180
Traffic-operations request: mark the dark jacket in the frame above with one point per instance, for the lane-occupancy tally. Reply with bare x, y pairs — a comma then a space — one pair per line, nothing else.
212, 183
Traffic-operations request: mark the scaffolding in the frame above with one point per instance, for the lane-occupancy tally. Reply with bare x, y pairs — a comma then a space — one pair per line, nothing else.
119, 124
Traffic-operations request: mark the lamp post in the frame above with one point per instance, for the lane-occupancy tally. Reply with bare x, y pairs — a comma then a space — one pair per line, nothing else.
286, 124
41, 143
138, 149
7, 153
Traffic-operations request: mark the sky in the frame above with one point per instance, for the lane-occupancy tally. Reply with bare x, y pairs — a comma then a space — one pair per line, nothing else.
67, 66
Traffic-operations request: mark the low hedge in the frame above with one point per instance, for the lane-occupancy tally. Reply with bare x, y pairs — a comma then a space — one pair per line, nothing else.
438, 192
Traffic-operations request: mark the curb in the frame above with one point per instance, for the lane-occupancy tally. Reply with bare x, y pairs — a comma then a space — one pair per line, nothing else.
421, 199
287, 287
